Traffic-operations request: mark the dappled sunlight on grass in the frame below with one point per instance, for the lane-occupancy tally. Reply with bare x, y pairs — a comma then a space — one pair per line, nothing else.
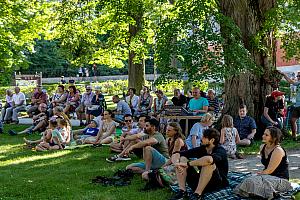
295, 180
67, 174
32, 158
9, 147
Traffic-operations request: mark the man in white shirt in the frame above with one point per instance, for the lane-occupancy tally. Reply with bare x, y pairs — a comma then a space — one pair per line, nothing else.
18, 104
132, 100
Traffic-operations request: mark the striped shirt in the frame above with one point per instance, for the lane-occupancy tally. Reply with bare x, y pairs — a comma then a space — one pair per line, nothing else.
214, 103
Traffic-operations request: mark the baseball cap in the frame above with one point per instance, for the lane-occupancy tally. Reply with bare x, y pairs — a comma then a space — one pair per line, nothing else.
95, 122
277, 93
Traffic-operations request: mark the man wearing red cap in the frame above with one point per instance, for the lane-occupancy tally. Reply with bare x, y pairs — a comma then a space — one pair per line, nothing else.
296, 110
273, 109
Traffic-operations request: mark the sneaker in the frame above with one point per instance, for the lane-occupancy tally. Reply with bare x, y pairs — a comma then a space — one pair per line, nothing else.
179, 195
112, 159
12, 132
96, 145
123, 158
195, 196
81, 124
30, 131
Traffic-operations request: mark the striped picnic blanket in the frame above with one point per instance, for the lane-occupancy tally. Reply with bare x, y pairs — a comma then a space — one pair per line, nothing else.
227, 193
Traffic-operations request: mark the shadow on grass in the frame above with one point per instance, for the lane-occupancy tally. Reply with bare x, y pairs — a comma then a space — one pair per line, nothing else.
67, 174
63, 175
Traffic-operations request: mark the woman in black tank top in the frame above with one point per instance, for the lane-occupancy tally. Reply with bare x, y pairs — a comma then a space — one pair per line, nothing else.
273, 156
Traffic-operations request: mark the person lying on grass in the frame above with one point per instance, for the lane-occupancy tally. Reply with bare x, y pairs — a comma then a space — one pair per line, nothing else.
106, 132
131, 139
57, 141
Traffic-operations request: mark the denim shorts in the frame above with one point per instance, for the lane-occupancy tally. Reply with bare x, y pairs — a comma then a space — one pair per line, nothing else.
158, 160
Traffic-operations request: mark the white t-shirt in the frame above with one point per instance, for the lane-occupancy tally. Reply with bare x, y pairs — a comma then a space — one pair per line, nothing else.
17, 98
134, 101
9, 99
99, 121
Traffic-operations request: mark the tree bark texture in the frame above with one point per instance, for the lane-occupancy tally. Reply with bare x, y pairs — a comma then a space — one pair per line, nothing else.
247, 88
136, 71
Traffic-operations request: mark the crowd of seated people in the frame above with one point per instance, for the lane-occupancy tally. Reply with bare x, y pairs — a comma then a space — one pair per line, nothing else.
14, 104
199, 159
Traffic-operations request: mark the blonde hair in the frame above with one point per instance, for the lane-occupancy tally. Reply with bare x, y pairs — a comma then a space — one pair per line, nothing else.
62, 122
65, 117
227, 121
207, 117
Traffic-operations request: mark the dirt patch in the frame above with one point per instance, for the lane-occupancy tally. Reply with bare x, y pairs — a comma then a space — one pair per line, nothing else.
251, 163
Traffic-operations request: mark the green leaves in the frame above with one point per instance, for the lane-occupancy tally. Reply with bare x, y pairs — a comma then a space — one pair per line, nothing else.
20, 23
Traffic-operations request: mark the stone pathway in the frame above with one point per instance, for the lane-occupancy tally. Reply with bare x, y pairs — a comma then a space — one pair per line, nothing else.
251, 163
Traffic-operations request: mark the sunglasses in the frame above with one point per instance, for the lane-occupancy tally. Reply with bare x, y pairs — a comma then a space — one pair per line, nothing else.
129, 120
298, 76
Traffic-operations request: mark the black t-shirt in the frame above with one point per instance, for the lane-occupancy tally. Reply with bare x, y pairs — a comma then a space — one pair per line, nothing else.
273, 107
218, 154
179, 101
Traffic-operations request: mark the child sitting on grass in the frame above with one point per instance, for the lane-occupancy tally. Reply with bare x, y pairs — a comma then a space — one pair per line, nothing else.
57, 140
229, 136
91, 131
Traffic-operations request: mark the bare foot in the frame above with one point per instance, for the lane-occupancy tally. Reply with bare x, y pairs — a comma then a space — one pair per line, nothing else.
27, 141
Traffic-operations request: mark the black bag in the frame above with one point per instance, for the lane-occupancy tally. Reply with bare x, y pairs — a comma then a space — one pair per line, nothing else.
154, 181
120, 178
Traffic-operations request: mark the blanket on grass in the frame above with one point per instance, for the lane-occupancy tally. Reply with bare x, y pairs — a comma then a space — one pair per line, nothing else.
234, 179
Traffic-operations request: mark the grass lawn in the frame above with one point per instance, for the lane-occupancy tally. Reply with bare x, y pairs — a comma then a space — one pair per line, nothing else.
26, 174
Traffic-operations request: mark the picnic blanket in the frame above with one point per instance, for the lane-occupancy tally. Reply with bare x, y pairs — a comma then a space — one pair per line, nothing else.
234, 179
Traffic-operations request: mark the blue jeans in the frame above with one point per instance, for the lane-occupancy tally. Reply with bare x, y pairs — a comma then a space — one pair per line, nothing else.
158, 160
268, 123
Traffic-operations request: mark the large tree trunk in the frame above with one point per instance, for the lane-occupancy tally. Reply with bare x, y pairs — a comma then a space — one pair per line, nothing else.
136, 71
248, 88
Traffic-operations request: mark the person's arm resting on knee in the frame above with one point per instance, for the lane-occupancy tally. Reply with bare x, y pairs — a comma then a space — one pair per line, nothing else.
148, 142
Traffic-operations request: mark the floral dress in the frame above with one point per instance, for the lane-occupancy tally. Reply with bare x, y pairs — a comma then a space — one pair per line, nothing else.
229, 144
73, 104
145, 102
